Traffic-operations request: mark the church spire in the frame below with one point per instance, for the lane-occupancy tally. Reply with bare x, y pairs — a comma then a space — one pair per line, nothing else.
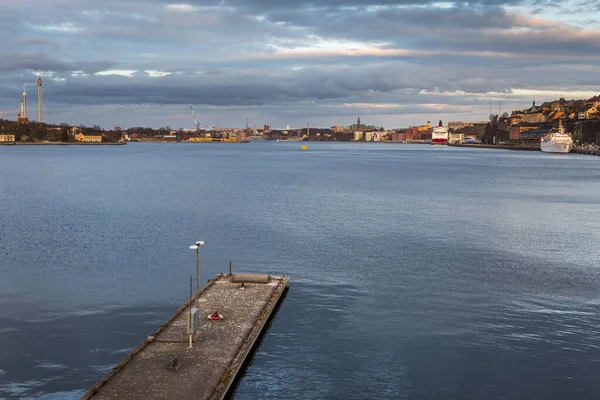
358, 122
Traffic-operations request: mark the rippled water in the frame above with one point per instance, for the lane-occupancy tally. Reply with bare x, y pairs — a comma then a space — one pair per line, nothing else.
417, 272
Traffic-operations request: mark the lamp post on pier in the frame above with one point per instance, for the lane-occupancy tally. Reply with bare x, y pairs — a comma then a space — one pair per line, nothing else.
196, 247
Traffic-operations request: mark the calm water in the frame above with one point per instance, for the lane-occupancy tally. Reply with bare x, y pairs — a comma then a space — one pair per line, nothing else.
417, 272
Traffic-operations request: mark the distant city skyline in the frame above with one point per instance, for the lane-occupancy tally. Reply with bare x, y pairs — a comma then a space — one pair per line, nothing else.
393, 63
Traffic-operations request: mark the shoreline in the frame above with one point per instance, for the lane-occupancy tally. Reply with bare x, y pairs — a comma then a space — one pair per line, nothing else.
525, 148
61, 144
498, 146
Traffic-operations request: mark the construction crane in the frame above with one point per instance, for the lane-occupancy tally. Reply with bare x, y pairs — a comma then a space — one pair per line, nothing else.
196, 124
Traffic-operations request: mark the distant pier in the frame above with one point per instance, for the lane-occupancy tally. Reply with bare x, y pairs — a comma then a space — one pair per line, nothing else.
590, 150
164, 366
526, 147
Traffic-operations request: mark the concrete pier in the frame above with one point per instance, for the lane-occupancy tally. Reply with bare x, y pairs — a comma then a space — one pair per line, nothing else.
165, 367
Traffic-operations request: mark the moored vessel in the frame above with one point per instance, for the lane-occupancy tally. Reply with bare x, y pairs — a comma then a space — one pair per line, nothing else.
439, 135
557, 141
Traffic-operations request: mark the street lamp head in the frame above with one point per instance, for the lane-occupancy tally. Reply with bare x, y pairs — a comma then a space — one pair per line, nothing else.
194, 247
200, 243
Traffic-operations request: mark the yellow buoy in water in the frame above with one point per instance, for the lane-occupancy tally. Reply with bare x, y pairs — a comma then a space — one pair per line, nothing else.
305, 147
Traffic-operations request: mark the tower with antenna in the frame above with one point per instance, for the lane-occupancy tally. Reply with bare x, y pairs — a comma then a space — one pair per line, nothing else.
22, 113
39, 85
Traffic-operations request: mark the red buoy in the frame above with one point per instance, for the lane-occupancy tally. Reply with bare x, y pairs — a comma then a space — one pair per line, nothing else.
215, 316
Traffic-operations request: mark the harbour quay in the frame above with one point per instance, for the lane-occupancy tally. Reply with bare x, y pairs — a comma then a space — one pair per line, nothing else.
202, 350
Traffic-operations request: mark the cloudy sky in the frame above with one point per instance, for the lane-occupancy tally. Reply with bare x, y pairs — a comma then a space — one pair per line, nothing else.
393, 62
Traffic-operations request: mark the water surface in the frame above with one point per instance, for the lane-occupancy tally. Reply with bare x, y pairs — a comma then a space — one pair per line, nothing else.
417, 272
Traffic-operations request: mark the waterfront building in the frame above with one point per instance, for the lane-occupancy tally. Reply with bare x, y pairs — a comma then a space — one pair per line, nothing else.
456, 137
535, 117
424, 127
337, 129
587, 131
422, 132
362, 127
399, 136
550, 106
88, 138
518, 129
454, 126
534, 134
4, 137
379, 136
573, 104
588, 112
515, 117
594, 101
358, 135
356, 127
532, 109
200, 139
555, 115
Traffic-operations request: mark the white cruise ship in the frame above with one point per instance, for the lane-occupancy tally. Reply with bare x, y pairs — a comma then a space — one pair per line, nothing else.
439, 135
557, 141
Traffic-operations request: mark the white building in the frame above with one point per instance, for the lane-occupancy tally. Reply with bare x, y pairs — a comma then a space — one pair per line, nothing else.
378, 136
358, 136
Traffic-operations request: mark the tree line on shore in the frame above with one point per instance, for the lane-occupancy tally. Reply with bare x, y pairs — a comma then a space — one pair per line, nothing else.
35, 132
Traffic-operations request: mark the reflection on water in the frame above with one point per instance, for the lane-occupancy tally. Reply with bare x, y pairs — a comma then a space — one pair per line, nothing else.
69, 350
417, 272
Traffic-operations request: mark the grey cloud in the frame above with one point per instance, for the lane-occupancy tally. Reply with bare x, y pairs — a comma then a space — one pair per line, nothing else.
455, 29
33, 41
394, 18
328, 4
19, 62
254, 88
225, 53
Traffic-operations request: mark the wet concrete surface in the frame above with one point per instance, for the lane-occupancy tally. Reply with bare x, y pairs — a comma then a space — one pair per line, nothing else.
219, 349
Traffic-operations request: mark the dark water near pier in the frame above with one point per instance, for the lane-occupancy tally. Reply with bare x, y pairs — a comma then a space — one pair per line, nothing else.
417, 272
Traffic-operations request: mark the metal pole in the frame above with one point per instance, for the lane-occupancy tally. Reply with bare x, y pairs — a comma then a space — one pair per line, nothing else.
190, 317
229, 267
197, 288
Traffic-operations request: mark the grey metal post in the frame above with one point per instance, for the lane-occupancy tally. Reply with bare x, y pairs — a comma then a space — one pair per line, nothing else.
190, 317
197, 287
